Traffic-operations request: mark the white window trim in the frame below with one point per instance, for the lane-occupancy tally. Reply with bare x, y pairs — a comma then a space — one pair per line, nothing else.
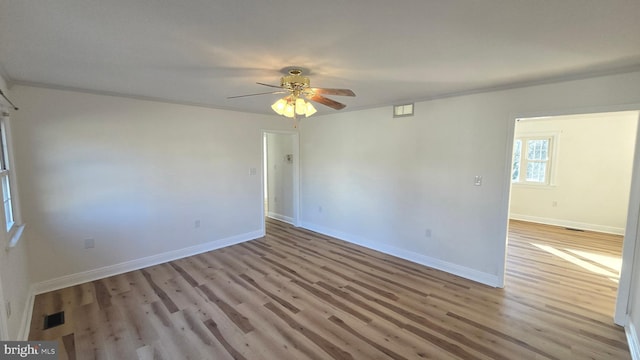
553, 158
14, 234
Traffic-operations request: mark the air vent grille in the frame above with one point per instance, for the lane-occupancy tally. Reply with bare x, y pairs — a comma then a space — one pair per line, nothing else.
53, 320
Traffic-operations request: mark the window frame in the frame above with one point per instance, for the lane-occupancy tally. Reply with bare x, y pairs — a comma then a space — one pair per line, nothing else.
12, 233
551, 162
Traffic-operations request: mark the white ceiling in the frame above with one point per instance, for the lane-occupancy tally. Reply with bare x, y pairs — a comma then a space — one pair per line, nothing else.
202, 51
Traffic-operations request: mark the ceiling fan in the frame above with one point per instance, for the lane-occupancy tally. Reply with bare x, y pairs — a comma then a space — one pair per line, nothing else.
299, 88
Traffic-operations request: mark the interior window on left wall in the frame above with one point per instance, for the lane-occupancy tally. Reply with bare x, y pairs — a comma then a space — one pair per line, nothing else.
5, 177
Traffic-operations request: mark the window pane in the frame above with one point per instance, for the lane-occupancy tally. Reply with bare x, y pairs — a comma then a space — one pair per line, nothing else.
3, 148
9, 212
531, 150
537, 149
6, 197
515, 170
536, 171
544, 149
6, 193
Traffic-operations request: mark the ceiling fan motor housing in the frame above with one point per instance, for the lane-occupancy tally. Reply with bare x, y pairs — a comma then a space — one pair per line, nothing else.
295, 80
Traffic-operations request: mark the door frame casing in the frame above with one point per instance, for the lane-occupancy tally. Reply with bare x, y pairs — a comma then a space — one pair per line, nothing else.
296, 173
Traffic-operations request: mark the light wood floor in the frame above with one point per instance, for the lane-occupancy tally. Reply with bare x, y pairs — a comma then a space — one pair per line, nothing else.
298, 295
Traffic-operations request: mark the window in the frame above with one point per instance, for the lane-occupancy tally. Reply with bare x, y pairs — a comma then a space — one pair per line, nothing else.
5, 178
532, 160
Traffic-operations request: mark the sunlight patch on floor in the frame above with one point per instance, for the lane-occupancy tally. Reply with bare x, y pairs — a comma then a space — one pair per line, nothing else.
612, 262
605, 262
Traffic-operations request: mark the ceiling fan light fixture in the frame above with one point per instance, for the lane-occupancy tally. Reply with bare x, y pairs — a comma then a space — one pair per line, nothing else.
301, 106
279, 106
297, 103
289, 110
310, 110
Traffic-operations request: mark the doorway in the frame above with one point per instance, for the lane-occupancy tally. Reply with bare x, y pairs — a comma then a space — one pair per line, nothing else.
281, 176
578, 173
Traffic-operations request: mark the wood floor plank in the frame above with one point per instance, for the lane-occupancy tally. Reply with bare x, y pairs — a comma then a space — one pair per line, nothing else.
296, 294
160, 292
240, 320
194, 329
213, 328
275, 339
330, 348
155, 351
140, 330
271, 294
173, 339
117, 284
88, 332
69, 346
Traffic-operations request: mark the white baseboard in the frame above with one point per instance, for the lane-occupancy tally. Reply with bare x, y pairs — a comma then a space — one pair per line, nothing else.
106, 271
462, 271
569, 224
277, 216
632, 339
111, 270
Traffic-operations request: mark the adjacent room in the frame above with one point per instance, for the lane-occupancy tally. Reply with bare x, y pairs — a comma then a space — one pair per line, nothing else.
277, 180
570, 191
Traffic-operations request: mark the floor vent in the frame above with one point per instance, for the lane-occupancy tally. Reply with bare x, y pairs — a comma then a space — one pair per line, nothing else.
572, 229
53, 320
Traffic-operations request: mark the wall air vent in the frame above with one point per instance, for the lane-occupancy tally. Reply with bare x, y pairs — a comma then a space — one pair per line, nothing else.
402, 110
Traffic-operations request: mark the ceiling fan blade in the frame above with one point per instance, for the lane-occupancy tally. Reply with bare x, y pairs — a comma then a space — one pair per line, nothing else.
264, 93
339, 92
326, 101
269, 85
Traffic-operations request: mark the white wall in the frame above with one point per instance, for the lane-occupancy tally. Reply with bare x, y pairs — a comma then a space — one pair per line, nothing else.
14, 266
280, 176
385, 182
593, 162
133, 175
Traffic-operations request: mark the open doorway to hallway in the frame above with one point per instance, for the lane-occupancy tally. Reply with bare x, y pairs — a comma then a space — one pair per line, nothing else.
570, 193
281, 179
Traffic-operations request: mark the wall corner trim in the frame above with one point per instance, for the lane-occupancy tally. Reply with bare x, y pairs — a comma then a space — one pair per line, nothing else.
458, 270
632, 339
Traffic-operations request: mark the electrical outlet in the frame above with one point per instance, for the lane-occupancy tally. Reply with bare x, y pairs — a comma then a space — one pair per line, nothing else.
89, 243
554, 203
477, 181
196, 224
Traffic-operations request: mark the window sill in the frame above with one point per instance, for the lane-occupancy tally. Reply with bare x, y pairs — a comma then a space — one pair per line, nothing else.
15, 238
534, 186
